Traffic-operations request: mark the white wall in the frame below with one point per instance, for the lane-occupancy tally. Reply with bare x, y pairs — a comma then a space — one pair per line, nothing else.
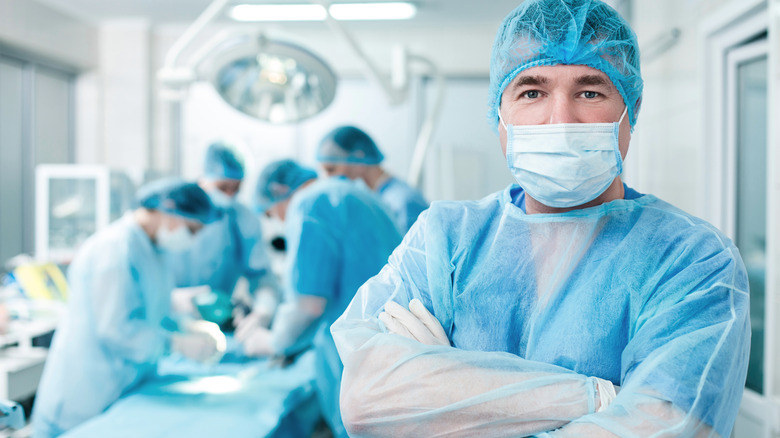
667, 151
125, 77
32, 27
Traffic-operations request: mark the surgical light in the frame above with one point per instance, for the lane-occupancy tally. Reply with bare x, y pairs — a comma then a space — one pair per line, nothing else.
314, 12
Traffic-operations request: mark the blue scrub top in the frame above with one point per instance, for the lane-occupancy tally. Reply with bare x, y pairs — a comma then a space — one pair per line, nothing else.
339, 234
405, 202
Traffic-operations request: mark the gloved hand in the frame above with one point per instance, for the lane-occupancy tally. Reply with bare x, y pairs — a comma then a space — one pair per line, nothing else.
257, 340
417, 323
196, 346
261, 312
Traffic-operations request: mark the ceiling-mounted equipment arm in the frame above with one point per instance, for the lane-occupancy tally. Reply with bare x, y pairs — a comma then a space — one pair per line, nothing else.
207, 16
396, 90
428, 126
395, 94
173, 75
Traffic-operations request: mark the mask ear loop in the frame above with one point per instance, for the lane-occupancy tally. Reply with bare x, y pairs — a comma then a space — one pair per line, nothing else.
500, 119
625, 111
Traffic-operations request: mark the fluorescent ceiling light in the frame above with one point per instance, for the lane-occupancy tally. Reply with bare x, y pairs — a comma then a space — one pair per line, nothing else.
373, 11
312, 12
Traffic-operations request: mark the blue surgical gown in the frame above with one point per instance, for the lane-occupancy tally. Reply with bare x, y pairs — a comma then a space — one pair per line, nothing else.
405, 202
339, 234
634, 291
112, 334
224, 251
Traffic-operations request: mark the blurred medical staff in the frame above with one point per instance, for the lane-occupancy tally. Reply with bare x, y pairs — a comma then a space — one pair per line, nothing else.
568, 305
349, 151
114, 331
339, 234
231, 247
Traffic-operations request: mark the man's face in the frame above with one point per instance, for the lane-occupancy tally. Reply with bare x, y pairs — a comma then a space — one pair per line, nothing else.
351, 171
563, 94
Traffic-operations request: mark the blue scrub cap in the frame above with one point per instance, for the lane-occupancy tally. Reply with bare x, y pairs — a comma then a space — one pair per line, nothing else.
278, 181
222, 162
570, 32
350, 145
179, 198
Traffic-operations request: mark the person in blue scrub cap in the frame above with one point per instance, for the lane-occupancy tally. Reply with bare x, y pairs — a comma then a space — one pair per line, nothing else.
566, 305
231, 247
114, 331
349, 151
338, 235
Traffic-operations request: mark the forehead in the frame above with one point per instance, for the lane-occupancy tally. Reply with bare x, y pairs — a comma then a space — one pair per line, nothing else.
337, 166
562, 75
192, 224
227, 182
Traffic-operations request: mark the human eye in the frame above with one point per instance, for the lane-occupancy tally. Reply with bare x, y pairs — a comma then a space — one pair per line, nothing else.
530, 94
591, 94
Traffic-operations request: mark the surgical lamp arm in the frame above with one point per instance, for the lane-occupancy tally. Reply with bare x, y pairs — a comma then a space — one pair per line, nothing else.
395, 95
206, 17
397, 90
428, 126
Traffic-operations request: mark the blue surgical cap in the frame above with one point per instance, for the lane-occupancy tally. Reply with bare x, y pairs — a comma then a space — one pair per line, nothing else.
350, 145
570, 32
222, 162
279, 180
179, 198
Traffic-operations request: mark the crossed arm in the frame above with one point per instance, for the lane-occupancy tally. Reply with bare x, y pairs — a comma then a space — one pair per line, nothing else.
406, 387
405, 380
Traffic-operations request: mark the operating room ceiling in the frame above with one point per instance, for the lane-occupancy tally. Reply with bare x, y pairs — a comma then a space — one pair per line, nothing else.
159, 12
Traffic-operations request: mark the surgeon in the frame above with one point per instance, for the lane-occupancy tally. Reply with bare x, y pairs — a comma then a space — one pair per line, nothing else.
566, 305
351, 152
114, 331
338, 235
231, 247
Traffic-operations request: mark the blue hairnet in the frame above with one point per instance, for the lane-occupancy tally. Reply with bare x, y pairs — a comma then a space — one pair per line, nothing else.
279, 180
571, 32
179, 198
222, 162
348, 144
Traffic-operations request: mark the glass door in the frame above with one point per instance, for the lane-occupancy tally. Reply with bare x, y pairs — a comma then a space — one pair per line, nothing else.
748, 74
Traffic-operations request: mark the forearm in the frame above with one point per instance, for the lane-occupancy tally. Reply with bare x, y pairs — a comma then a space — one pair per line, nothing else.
136, 341
637, 415
393, 386
293, 319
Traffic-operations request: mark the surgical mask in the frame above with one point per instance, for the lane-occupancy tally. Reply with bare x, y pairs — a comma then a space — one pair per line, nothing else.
564, 165
360, 182
178, 240
220, 199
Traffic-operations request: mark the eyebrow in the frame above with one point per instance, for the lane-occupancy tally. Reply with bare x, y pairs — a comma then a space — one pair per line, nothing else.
592, 80
530, 80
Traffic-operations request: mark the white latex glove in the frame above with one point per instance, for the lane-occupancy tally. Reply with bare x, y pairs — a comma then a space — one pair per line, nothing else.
257, 340
262, 311
417, 323
196, 346
607, 392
